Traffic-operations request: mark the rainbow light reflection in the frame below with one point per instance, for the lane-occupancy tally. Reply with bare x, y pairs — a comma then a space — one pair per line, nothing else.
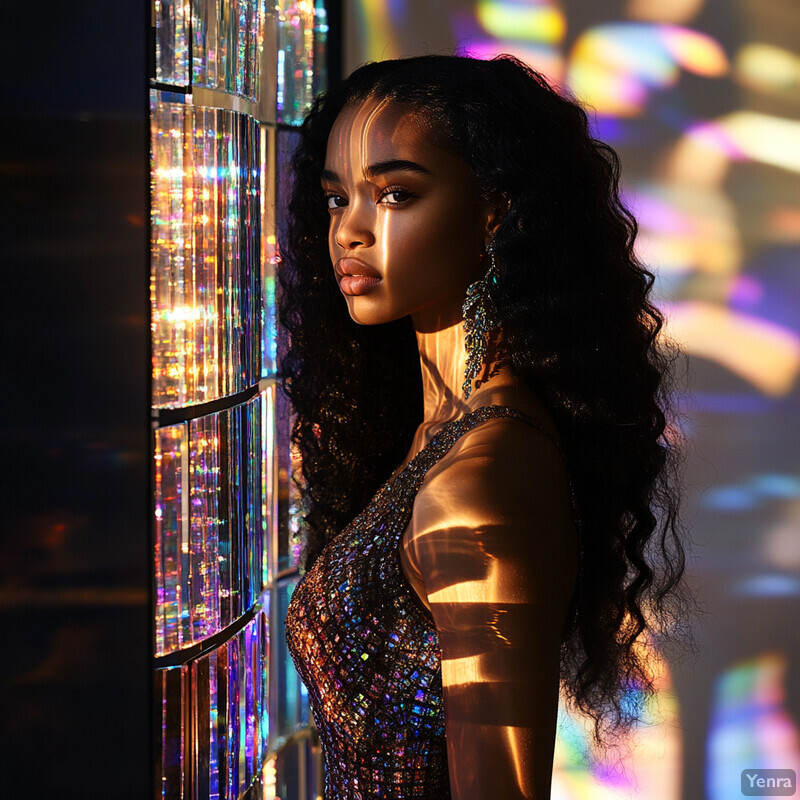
644, 763
615, 67
750, 727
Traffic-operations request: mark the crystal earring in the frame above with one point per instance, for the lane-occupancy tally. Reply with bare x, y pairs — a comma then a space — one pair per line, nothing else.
480, 317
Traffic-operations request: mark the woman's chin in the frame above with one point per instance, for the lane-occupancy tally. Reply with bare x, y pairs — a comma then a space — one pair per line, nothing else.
366, 317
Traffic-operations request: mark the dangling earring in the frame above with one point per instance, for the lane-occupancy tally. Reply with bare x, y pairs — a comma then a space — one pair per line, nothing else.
483, 320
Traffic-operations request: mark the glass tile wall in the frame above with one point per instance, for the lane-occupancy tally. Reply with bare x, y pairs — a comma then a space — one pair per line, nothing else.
205, 251
232, 80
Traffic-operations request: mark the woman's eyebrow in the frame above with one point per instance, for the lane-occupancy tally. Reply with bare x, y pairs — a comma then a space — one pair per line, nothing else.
381, 168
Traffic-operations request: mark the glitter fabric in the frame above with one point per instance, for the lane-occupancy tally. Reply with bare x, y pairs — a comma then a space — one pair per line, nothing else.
367, 649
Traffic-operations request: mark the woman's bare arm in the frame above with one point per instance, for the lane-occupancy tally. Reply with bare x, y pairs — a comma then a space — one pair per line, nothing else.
492, 538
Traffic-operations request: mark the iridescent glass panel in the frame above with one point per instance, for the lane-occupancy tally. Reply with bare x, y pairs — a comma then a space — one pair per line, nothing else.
215, 513
171, 691
302, 41
227, 43
292, 696
171, 462
172, 42
291, 527
206, 272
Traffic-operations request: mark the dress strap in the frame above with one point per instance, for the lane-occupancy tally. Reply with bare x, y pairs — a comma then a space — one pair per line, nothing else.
450, 432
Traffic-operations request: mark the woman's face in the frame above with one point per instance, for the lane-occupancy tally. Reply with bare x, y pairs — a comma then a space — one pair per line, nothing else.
404, 211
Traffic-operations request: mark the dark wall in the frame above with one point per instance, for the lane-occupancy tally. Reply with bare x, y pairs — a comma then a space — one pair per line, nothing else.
74, 558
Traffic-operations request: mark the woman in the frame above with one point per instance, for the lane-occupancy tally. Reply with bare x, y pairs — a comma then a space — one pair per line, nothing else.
462, 299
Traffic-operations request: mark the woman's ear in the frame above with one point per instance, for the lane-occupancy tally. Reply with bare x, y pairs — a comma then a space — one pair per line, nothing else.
497, 208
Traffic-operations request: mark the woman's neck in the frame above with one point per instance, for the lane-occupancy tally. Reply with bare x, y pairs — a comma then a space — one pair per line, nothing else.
443, 361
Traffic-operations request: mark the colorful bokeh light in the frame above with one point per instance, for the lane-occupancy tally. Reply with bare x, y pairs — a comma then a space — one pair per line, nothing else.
615, 67
530, 21
749, 726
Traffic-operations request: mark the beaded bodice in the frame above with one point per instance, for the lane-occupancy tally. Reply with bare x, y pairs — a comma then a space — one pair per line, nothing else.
367, 649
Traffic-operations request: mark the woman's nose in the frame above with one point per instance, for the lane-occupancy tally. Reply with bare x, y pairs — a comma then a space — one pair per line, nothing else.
355, 228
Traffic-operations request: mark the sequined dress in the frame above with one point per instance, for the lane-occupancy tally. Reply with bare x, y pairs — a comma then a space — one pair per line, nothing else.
367, 650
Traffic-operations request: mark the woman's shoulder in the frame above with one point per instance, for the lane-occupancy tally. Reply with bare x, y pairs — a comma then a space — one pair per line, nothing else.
505, 437
503, 456
502, 461
502, 481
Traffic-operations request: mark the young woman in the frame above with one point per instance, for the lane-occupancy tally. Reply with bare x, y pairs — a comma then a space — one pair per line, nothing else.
464, 304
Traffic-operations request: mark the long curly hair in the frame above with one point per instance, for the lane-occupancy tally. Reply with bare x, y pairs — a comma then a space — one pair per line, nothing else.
582, 334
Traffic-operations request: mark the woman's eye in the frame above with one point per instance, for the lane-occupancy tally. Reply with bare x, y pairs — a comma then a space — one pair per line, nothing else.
395, 196
335, 201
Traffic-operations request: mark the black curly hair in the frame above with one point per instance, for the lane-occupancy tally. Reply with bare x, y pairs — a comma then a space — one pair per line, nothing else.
582, 334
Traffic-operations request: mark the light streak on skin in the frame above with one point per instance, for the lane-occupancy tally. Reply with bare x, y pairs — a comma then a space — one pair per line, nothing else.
764, 354
357, 154
518, 743
484, 591
464, 671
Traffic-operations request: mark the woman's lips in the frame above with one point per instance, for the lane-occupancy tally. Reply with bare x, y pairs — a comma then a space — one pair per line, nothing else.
354, 266
357, 284
356, 277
